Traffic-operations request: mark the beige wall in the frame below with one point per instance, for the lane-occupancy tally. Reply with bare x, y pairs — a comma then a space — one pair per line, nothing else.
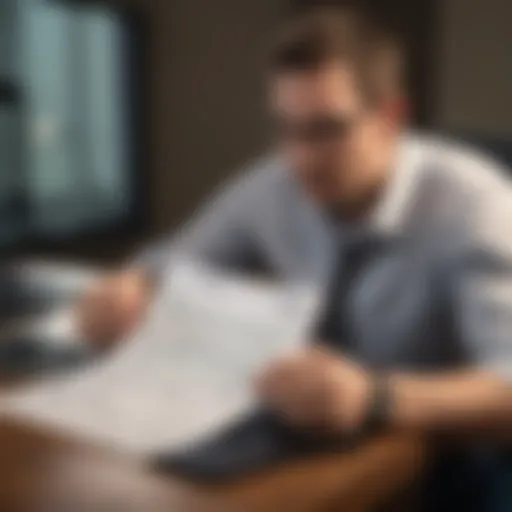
474, 80
206, 95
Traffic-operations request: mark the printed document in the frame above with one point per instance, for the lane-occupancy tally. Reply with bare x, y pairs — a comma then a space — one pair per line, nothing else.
186, 373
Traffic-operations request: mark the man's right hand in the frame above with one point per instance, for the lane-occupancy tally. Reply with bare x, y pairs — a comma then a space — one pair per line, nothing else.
113, 307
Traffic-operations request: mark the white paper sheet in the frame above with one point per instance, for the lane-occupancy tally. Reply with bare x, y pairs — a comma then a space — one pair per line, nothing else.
187, 372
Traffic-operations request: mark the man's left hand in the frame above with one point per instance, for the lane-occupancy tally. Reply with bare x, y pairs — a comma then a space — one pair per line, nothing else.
318, 389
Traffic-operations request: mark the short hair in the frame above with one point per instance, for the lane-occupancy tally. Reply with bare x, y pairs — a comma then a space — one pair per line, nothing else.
319, 36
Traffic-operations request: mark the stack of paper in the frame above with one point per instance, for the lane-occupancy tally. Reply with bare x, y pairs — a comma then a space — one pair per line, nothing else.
187, 372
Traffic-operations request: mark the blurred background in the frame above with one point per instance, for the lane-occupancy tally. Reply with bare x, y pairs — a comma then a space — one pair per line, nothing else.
118, 116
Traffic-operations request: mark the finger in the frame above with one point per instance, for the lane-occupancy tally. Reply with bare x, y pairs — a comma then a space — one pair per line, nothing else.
295, 397
273, 376
302, 411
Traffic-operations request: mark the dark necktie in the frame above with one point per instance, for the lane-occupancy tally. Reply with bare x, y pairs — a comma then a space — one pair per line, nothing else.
261, 439
335, 324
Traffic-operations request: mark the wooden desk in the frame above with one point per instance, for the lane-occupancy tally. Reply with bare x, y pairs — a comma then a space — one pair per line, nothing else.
40, 472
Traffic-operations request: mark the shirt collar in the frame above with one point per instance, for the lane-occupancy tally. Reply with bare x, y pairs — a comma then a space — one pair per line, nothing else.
389, 215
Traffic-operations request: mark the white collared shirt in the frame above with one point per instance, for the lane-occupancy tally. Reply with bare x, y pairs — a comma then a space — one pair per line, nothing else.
438, 295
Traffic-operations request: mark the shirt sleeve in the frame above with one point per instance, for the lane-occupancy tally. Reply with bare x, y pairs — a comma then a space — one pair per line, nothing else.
483, 289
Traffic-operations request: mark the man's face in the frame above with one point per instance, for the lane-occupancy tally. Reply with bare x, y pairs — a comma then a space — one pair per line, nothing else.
336, 142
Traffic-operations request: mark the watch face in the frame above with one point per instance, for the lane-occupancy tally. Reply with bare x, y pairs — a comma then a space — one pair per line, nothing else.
380, 406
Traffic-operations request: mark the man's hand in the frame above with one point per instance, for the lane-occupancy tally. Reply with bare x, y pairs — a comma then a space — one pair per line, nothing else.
113, 307
320, 390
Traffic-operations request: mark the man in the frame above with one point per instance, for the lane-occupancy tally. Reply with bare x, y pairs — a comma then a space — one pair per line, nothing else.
411, 236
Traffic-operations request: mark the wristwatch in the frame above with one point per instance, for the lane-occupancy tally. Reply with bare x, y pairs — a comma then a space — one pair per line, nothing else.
379, 409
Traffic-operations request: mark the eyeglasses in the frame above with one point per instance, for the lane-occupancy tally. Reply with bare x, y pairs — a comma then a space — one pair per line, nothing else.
320, 130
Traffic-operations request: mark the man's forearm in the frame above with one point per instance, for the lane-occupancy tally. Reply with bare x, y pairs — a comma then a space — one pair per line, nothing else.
469, 402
